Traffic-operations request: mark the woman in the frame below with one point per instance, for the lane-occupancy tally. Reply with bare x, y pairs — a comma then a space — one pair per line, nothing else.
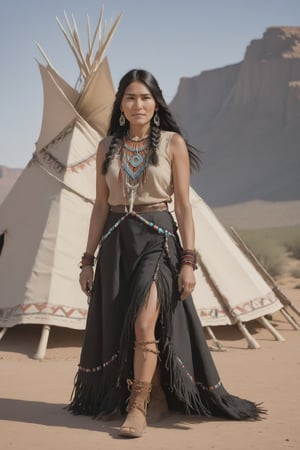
142, 327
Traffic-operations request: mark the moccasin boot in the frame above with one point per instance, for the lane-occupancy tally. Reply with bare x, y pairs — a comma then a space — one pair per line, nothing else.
135, 423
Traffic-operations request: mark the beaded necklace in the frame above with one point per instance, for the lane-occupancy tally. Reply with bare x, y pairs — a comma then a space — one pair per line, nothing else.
134, 157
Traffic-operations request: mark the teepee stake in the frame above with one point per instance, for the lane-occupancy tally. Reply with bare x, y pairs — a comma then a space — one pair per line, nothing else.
252, 342
270, 327
290, 319
41, 351
217, 344
2, 332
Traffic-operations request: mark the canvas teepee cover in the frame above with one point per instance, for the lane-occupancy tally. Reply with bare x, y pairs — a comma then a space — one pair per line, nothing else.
229, 289
44, 219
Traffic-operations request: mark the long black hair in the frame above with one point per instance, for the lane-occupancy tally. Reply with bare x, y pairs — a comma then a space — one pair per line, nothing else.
167, 121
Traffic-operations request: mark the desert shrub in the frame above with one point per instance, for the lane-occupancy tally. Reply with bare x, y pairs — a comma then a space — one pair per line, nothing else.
270, 246
295, 272
268, 251
293, 246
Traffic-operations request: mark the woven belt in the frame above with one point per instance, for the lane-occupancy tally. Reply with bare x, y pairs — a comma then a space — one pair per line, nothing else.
141, 208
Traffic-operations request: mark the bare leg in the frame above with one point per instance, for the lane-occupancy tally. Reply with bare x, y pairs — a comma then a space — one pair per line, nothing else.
144, 365
145, 351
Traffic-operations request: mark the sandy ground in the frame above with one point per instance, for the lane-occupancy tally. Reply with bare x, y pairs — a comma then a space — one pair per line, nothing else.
33, 394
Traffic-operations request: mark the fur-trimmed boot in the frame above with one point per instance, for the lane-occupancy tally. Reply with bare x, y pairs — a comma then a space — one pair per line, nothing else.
135, 423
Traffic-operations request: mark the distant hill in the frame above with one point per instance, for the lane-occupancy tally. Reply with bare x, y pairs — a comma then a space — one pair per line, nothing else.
245, 117
7, 179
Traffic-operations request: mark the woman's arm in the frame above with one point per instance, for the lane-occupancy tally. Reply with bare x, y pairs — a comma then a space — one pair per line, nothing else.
183, 210
97, 220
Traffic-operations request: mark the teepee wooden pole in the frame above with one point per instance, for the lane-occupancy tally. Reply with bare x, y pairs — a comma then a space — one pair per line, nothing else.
2, 332
41, 351
89, 52
76, 40
267, 277
252, 342
290, 319
97, 31
103, 45
272, 330
72, 47
44, 55
285, 300
218, 345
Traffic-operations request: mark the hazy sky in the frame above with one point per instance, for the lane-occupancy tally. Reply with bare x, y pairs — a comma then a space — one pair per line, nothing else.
171, 38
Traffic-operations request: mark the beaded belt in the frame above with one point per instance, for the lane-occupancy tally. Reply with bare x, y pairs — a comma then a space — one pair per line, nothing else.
141, 208
152, 225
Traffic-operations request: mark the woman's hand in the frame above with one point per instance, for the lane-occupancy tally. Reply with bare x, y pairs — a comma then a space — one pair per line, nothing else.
186, 281
86, 279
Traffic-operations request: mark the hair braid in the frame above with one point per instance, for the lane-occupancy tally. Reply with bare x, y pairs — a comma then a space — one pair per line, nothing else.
154, 143
112, 150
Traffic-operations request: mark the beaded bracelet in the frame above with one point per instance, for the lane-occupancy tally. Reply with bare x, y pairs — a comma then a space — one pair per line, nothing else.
87, 260
189, 257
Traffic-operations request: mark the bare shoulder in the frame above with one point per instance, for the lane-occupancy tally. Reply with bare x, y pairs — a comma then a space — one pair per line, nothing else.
177, 145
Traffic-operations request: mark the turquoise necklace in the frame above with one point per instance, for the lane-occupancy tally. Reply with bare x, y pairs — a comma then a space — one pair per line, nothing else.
134, 165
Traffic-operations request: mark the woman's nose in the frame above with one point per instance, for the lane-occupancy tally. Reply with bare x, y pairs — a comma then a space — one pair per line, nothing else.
138, 103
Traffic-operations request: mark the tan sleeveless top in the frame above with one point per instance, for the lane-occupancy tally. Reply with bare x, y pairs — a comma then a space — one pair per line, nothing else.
158, 186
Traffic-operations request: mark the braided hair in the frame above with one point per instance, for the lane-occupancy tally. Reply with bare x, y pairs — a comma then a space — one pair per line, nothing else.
167, 121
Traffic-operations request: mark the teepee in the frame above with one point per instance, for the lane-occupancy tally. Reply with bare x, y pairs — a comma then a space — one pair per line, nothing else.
44, 219
231, 289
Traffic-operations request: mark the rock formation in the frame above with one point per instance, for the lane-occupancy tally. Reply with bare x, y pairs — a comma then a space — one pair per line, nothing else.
245, 118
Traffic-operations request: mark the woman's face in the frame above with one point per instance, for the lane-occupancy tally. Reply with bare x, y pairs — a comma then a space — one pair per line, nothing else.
138, 104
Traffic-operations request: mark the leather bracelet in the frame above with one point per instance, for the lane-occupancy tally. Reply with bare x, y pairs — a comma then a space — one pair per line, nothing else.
87, 259
188, 257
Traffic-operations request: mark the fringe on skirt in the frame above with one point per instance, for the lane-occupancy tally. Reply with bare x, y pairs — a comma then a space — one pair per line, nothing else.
136, 251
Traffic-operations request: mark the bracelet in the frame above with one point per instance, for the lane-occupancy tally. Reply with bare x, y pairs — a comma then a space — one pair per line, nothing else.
189, 257
87, 259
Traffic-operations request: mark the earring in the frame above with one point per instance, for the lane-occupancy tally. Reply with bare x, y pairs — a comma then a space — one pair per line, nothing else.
156, 119
122, 120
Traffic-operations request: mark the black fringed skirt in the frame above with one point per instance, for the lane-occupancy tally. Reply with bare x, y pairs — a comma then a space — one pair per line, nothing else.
137, 250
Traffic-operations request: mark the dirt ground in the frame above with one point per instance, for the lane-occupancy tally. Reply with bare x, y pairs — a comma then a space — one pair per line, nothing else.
33, 394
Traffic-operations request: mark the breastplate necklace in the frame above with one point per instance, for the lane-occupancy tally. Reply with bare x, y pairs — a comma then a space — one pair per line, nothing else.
133, 170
